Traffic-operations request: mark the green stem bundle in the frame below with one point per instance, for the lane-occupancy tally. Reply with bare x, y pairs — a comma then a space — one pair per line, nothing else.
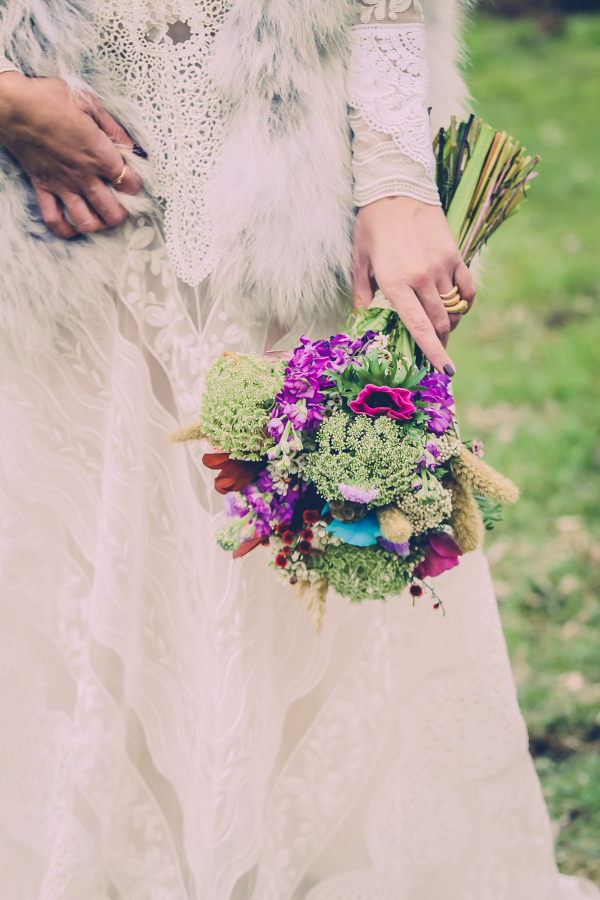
481, 176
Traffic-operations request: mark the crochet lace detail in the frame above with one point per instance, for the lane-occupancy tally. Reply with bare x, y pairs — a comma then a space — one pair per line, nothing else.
390, 10
387, 89
158, 51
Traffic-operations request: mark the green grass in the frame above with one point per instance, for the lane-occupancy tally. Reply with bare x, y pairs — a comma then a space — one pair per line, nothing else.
528, 382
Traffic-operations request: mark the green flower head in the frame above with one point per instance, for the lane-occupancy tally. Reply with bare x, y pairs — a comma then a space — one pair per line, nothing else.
364, 573
372, 453
237, 403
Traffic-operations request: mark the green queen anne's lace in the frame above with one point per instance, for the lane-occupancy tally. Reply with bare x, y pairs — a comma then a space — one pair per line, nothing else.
361, 573
237, 403
368, 452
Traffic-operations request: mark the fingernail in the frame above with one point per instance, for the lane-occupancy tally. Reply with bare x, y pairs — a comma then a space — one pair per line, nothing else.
449, 370
139, 151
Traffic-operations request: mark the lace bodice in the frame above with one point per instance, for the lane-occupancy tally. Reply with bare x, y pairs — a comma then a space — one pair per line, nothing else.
159, 52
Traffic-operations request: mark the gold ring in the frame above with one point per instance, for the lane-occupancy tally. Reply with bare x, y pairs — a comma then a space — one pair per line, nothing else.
119, 180
461, 308
450, 294
448, 304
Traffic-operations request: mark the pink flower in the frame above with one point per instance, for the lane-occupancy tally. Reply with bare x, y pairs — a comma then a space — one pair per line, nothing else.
441, 555
383, 401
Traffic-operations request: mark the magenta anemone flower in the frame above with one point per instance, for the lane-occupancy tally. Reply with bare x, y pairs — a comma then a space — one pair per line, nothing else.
383, 401
441, 555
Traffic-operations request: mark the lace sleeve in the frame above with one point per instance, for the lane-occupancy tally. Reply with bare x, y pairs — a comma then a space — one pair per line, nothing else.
387, 94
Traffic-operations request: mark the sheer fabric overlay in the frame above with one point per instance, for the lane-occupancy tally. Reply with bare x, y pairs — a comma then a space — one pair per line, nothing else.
173, 728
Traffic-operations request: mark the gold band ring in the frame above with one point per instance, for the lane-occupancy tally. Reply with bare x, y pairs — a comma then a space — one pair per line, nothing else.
461, 307
121, 177
450, 294
448, 304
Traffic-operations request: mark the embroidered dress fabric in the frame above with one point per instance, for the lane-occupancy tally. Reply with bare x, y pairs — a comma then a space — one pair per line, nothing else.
172, 727
387, 88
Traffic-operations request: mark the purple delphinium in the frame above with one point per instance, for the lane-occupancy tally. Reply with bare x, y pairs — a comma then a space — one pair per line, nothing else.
232, 507
267, 504
301, 401
433, 390
429, 460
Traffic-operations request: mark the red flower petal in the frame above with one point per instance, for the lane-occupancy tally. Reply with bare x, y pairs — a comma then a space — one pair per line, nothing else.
247, 546
215, 460
236, 474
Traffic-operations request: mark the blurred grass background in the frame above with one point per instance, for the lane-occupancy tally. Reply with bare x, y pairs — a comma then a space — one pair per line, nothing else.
528, 383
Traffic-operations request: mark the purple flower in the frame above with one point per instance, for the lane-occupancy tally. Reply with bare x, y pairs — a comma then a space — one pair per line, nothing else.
398, 549
264, 482
356, 494
423, 463
266, 506
439, 419
428, 460
433, 391
300, 387
383, 401
301, 401
232, 507
276, 426
257, 500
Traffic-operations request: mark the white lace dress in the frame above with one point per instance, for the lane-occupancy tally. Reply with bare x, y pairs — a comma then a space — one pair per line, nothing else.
171, 727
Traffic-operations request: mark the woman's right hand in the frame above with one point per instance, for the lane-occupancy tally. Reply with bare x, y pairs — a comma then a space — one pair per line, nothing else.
66, 145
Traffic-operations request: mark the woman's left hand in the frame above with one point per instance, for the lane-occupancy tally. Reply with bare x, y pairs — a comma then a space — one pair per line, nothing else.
406, 248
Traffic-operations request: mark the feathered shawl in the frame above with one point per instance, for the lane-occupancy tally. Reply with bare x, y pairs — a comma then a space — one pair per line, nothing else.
281, 195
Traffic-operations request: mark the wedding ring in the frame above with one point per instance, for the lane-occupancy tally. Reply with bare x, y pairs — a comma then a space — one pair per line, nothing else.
121, 177
450, 294
448, 304
461, 307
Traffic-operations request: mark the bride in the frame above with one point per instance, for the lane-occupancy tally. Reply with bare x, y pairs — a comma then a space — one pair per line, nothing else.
172, 728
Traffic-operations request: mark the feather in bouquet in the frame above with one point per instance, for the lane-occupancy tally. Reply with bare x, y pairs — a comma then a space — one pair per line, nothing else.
345, 459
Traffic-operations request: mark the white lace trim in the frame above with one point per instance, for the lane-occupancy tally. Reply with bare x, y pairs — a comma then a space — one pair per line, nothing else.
387, 86
381, 170
389, 10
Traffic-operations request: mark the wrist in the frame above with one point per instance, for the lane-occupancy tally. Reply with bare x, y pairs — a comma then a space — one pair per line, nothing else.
12, 87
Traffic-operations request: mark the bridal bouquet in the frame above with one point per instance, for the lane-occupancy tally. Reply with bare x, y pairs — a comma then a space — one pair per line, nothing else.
345, 459
343, 456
